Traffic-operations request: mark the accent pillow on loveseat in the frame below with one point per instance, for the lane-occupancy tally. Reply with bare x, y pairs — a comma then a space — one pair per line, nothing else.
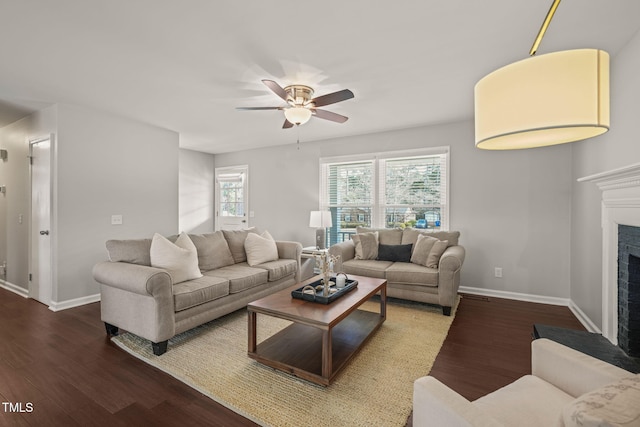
180, 259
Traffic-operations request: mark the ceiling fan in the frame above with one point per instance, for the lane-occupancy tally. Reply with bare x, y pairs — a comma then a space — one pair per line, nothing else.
301, 106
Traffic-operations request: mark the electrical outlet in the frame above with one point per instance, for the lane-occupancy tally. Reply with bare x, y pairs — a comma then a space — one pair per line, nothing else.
116, 219
498, 271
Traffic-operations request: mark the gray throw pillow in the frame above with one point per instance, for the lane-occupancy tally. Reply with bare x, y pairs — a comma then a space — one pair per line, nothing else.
395, 253
422, 248
213, 250
436, 252
366, 245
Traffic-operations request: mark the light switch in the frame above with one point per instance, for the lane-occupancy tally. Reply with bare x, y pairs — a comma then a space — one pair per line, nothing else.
116, 219
252, 214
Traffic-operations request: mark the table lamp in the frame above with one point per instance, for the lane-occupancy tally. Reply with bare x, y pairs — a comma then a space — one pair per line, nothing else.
320, 220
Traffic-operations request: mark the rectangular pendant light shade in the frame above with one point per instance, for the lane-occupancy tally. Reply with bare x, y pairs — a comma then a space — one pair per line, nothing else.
543, 100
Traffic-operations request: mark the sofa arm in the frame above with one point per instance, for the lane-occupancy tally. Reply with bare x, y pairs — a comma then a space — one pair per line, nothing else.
570, 370
449, 275
291, 250
343, 251
139, 279
435, 404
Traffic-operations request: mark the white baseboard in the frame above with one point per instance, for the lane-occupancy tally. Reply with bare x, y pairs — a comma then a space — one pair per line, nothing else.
14, 288
63, 305
515, 296
583, 318
566, 302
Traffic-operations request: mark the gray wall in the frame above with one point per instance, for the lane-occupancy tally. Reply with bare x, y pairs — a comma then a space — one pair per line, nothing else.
512, 208
618, 147
103, 165
196, 188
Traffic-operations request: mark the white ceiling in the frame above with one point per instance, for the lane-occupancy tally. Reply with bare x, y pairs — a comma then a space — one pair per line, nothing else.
186, 65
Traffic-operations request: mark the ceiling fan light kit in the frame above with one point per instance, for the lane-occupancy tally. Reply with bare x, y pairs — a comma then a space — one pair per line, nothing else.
546, 100
297, 115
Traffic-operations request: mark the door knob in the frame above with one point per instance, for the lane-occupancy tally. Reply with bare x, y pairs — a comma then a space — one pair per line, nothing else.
44, 232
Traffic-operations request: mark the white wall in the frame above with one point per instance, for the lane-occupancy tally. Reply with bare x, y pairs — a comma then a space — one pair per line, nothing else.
103, 165
618, 147
196, 188
512, 208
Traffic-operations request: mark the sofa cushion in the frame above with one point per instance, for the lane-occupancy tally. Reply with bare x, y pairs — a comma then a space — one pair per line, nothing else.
394, 253
133, 251
520, 403
180, 259
410, 235
366, 245
279, 268
213, 250
235, 240
436, 252
198, 291
422, 248
365, 267
407, 272
386, 236
260, 248
240, 276
615, 404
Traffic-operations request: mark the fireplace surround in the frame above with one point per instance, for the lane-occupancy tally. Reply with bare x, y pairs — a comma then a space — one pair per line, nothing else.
620, 213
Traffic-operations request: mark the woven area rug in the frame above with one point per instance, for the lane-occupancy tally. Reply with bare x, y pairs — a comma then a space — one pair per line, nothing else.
375, 388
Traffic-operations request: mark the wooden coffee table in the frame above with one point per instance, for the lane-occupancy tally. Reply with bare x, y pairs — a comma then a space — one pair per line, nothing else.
322, 338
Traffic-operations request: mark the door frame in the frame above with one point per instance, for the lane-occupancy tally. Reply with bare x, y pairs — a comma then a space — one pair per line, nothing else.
52, 215
216, 199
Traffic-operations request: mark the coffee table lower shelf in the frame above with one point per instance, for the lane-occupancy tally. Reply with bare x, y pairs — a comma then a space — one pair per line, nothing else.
298, 349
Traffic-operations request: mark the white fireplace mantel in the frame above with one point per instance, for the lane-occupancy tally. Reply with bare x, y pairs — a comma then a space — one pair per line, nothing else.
620, 205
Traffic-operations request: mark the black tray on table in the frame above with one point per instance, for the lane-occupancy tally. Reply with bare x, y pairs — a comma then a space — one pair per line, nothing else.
350, 284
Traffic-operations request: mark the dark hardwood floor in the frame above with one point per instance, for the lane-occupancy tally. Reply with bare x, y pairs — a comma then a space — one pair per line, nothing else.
65, 368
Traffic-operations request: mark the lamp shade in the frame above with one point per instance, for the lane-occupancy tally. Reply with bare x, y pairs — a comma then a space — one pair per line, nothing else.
543, 100
320, 219
297, 115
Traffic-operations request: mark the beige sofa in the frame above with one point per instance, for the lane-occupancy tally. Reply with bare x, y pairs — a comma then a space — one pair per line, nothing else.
408, 280
142, 299
566, 388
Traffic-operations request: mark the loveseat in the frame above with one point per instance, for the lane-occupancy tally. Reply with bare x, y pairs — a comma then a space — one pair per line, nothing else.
227, 273
566, 388
418, 265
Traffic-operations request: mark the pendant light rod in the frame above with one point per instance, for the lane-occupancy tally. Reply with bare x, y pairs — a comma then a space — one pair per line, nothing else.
544, 27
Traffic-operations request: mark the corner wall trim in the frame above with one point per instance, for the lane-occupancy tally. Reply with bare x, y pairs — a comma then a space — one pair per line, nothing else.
583, 318
14, 288
76, 302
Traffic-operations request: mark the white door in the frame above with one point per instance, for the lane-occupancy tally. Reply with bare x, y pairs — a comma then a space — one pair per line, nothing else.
40, 246
232, 198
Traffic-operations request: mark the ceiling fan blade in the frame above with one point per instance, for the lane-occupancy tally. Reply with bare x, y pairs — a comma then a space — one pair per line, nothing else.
287, 124
328, 115
276, 88
332, 98
259, 108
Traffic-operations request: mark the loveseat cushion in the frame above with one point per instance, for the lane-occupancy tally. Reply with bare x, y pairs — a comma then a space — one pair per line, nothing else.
407, 272
366, 267
529, 401
213, 250
241, 276
410, 235
235, 240
198, 291
133, 251
279, 268
386, 236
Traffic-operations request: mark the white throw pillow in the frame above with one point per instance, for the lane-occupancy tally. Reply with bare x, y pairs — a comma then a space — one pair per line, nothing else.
260, 248
180, 259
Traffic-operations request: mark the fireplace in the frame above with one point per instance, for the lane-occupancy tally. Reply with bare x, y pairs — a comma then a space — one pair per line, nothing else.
629, 289
621, 255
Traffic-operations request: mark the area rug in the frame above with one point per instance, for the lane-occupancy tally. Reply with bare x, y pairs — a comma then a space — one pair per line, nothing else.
375, 388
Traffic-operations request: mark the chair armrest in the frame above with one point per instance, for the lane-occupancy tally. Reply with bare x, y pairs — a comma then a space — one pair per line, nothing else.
452, 258
139, 279
291, 250
570, 370
449, 275
435, 404
343, 251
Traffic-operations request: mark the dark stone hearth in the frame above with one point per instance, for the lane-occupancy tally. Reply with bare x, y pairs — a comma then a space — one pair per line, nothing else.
629, 289
594, 345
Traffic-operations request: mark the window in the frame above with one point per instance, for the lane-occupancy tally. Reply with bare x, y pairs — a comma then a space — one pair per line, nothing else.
385, 190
